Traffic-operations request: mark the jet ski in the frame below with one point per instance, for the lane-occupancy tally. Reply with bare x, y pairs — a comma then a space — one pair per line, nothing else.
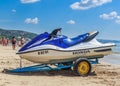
48, 48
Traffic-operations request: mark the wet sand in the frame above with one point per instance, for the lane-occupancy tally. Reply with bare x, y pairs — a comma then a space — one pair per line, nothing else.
103, 74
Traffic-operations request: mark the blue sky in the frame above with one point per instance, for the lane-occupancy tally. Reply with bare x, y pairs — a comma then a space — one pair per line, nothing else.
74, 16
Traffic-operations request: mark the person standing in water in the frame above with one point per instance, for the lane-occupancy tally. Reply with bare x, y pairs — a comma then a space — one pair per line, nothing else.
13, 41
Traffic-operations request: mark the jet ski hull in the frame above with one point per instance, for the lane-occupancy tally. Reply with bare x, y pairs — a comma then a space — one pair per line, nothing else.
49, 56
53, 48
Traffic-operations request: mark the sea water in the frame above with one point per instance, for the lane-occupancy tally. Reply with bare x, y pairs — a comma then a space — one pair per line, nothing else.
117, 47
115, 57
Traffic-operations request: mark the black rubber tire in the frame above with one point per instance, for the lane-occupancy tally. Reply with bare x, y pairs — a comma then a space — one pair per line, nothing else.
76, 64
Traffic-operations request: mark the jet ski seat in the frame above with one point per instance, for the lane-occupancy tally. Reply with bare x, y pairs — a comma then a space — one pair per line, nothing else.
76, 40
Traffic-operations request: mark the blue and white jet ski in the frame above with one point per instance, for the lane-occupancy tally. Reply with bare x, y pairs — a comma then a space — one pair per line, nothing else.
54, 48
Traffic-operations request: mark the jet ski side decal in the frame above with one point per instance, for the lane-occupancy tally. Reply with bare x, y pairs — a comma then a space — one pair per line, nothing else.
43, 52
81, 52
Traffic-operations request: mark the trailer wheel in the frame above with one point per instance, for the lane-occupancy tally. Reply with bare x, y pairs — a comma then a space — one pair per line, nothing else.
82, 67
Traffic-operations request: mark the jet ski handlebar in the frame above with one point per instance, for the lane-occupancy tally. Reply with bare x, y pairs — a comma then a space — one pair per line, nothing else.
54, 32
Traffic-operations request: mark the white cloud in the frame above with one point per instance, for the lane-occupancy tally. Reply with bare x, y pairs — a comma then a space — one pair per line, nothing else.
13, 10
32, 21
71, 22
118, 17
87, 4
117, 21
29, 1
111, 16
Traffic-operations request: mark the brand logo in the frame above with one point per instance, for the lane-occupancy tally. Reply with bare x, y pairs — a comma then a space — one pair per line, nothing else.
81, 52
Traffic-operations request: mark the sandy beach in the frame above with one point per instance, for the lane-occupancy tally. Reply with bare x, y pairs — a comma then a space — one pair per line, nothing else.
103, 74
